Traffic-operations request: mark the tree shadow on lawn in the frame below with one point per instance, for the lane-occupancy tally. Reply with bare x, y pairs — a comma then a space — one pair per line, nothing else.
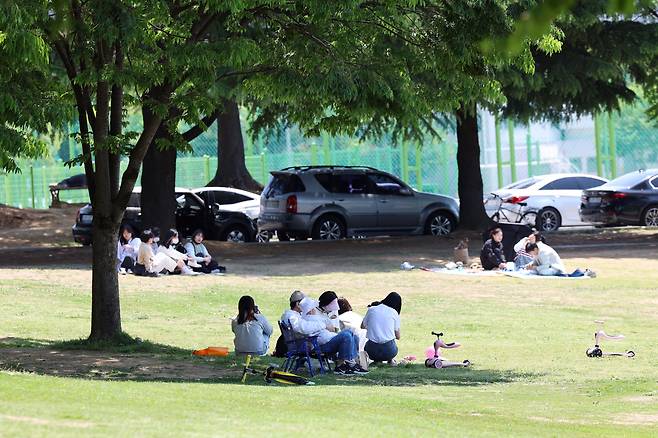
149, 362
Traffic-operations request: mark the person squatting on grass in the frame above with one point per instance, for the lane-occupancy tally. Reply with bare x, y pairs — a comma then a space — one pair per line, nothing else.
150, 264
350, 320
252, 330
492, 255
382, 324
198, 252
127, 248
343, 344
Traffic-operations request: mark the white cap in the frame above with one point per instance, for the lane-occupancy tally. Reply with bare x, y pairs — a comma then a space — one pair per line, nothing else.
307, 304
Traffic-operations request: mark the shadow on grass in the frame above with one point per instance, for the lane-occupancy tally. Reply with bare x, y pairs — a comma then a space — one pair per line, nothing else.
144, 361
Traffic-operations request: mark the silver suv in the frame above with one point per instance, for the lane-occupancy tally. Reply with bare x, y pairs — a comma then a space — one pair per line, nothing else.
333, 202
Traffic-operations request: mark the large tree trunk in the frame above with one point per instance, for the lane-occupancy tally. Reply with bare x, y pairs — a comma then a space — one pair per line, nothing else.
158, 200
231, 168
471, 206
105, 306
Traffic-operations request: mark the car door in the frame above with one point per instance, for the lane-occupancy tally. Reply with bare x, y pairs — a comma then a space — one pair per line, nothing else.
397, 207
190, 214
564, 195
351, 191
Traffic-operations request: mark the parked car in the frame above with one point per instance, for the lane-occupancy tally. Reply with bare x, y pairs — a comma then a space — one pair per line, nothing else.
191, 213
333, 202
555, 198
631, 199
230, 199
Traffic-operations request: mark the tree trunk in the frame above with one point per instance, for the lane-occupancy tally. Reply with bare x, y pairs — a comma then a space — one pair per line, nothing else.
158, 200
105, 306
471, 206
231, 168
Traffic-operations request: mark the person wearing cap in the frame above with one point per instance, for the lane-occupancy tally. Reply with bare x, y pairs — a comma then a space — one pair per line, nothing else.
345, 345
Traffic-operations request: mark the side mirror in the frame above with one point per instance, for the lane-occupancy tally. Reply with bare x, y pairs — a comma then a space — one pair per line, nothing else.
404, 191
214, 208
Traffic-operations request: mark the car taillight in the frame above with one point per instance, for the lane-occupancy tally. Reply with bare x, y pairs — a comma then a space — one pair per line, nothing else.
516, 199
291, 204
77, 216
618, 195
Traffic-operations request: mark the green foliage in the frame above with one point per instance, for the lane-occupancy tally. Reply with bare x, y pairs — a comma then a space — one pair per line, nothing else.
600, 59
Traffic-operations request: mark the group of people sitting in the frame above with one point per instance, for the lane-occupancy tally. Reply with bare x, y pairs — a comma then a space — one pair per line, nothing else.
531, 254
353, 341
150, 256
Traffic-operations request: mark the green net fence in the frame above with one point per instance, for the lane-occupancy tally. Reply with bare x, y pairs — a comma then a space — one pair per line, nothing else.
608, 145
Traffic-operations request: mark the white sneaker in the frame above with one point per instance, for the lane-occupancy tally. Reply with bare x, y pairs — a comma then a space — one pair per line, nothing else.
188, 271
122, 271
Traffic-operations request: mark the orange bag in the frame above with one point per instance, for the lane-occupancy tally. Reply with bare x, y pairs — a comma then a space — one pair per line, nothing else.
212, 351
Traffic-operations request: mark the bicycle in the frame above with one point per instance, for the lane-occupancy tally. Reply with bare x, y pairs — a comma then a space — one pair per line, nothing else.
519, 213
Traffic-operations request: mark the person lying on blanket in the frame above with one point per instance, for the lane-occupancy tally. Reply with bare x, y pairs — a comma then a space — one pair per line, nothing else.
547, 262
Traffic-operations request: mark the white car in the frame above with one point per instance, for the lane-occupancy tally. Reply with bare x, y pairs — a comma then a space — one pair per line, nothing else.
555, 199
231, 199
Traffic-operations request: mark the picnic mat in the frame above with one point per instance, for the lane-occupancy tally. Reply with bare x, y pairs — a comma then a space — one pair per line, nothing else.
525, 275
464, 272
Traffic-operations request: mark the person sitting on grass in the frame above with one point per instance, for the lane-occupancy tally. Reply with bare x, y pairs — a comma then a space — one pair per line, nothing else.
150, 264
127, 249
302, 327
492, 255
522, 258
547, 262
169, 247
198, 252
382, 324
344, 344
252, 330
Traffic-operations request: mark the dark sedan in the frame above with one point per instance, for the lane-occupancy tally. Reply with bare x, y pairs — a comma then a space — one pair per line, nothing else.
631, 199
191, 214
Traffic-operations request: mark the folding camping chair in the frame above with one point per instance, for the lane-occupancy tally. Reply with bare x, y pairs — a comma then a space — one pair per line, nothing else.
302, 350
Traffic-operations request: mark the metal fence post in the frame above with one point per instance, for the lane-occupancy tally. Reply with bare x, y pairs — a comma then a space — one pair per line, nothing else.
499, 152
597, 146
419, 167
404, 161
612, 146
44, 184
528, 139
32, 186
326, 149
263, 168
314, 154
512, 149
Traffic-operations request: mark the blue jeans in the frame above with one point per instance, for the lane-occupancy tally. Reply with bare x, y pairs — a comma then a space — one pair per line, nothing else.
345, 345
381, 352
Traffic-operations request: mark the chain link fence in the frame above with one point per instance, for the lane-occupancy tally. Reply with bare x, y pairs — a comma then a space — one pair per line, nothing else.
607, 145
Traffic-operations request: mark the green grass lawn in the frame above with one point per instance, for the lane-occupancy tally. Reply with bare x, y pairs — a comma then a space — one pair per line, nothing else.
526, 339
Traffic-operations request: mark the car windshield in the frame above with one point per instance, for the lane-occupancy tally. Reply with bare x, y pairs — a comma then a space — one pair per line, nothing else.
627, 181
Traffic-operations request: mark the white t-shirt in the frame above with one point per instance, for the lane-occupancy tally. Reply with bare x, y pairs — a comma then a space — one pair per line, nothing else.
324, 335
381, 323
549, 258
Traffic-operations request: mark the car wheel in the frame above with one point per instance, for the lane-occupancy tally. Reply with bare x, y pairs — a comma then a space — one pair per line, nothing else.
439, 224
549, 220
329, 227
650, 217
263, 236
235, 234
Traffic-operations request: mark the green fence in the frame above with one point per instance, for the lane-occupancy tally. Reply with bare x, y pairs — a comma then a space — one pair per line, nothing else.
608, 145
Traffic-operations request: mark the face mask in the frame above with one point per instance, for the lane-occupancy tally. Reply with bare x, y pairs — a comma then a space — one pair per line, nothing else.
156, 239
332, 307
174, 241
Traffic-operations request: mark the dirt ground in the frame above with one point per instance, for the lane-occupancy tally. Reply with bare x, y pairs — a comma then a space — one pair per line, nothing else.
109, 366
43, 238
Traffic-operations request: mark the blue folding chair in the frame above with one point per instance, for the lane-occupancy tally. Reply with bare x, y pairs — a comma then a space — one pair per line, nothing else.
302, 350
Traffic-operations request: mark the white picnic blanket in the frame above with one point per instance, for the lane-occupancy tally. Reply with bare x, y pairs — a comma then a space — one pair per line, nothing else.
529, 275
464, 272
